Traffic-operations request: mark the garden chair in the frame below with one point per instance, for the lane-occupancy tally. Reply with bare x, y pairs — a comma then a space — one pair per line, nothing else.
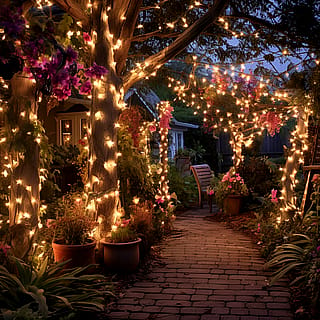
203, 175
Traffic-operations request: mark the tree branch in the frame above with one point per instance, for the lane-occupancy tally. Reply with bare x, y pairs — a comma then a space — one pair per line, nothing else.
153, 7
259, 21
156, 33
123, 29
74, 10
157, 60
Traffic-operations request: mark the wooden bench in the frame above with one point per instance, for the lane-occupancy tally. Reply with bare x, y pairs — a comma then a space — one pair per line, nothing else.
203, 175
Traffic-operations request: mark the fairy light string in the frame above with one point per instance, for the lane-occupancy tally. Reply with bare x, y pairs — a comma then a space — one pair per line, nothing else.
226, 123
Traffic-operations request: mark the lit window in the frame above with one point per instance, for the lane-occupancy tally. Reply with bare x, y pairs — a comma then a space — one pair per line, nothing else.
66, 132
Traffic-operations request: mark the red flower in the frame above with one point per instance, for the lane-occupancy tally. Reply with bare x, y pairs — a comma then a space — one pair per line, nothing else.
152, 128
86, 37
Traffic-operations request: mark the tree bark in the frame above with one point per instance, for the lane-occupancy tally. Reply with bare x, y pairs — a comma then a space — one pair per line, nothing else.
290, 170
25, 177
115, 20
157, 60
104, 116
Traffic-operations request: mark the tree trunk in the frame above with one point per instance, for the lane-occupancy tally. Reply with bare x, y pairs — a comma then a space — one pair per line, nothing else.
236, 144
106, 99
25, 178
295, 157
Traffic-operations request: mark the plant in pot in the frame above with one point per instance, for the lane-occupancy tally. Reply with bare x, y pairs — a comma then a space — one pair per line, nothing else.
229, 192
73, 234
121, 249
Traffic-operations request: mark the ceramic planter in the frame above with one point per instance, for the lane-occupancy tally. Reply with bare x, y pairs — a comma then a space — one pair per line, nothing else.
81, 255
123, 257
232, 204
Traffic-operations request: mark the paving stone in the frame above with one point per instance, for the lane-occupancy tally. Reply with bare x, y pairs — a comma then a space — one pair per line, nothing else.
139, 315
220, 310
118, 315
190, 317
194, 310
170, 310
179, 291
151, 309
235, 304
130, 294
172, 303
167, 316
209, 273
210, 317
181, 297
157, 296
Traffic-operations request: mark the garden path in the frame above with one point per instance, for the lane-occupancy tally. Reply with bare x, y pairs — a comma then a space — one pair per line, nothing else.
209, 272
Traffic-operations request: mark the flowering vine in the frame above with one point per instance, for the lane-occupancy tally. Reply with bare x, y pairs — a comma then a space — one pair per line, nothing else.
271, 121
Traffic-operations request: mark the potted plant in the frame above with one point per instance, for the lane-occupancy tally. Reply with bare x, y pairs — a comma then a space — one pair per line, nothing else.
121, 248
73, 235
229, 192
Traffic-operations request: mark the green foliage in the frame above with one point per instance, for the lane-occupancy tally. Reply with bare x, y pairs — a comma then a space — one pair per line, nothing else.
123, 235
4, 197
228, 184
74, 225
50, 292
260, 174
163, 214
299, 259
133, 172
142, 222
64, 173
293, 247
184, 187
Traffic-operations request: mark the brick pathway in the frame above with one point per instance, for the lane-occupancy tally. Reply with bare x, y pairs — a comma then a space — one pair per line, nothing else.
210, 272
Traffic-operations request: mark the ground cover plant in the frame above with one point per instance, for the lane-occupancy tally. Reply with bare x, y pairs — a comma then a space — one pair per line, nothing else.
50, 291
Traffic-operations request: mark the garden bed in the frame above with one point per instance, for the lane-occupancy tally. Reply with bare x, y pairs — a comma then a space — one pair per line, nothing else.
246, 222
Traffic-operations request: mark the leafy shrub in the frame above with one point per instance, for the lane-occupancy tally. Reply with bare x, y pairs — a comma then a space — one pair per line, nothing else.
133, 172
50, 292
64, 171
260, 174
298, 256
123, 232
184, 187
230, 184
74, 226
142, 223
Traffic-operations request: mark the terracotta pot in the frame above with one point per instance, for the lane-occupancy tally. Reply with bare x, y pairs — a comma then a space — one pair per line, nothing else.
123, 257
232, 204
81, 255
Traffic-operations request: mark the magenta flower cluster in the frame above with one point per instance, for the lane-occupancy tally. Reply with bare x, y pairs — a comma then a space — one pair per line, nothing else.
165, 118
57, 75
232, 184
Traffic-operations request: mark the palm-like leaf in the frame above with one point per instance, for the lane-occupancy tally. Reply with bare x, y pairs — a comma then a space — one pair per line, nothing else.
51, 290
290, 257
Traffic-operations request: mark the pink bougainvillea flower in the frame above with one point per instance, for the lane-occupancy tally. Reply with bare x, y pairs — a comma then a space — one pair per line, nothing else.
86, 37
86, 88
152, 128
71, 55
229, 186
96, 71
4, 248
159, 199
271, 121
274, 198
124, 222
82, 142
315, 177
226, 177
